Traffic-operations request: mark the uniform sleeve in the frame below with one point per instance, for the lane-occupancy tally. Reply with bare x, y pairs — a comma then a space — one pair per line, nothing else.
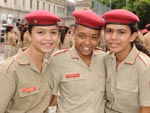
144, 88
7, 89
55, 73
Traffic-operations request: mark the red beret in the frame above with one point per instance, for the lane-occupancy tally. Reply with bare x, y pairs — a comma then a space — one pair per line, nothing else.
88, 18
147, 25
120, 16
41, 17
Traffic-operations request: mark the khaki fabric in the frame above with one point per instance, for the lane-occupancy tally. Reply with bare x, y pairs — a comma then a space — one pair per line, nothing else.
146, 40
68, 42
81, 87
127, 87
9, 45
23, 89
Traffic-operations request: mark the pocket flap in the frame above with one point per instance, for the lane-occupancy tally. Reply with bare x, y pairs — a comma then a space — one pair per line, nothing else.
127, 87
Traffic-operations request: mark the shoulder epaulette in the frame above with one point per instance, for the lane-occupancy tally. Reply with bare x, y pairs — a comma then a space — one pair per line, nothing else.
7, 63
144, 58
60, 51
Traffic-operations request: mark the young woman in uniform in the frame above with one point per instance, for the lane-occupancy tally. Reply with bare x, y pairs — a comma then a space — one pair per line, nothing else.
25, 83
128, 68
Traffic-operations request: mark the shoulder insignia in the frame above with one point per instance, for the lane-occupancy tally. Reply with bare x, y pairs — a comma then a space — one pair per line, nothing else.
60, 51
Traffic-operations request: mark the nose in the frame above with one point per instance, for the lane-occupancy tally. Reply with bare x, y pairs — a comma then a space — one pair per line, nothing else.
87, 41
48, 36
114, 36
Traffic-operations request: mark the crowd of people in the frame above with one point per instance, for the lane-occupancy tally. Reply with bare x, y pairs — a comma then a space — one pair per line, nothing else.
101, 64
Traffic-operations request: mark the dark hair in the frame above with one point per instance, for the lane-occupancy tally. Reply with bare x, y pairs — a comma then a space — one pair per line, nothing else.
138, 42
9, 28
63, 32
30, 28
22, 33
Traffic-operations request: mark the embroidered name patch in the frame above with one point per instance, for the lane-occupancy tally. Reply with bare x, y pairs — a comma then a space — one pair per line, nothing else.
29, 89
73, 75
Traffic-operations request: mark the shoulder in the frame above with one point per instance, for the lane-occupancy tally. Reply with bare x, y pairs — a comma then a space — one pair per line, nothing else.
146, 35
144, 59
100, 51
7, 64
60, 52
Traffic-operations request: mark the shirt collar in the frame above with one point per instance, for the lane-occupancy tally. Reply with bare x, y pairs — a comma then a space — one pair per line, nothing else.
23, 59
130, 59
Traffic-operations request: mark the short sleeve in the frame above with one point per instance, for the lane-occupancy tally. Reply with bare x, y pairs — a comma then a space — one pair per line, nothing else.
7, 88
55, 73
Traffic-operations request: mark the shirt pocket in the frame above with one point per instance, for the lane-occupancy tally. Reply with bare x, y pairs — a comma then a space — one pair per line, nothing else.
127, 94
28, 91
73, 86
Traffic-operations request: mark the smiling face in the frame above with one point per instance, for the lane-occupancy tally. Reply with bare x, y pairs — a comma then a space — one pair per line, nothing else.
86, 40
118, 38
43, 38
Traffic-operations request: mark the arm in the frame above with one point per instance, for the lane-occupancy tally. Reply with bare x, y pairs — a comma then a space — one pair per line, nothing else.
54, 73
7, 89
144, 91
53, 101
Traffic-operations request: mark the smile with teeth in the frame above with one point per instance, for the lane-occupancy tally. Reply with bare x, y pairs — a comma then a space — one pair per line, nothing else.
114, 44
85, 48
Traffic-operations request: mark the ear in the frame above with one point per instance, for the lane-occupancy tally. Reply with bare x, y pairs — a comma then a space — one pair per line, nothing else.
133, 36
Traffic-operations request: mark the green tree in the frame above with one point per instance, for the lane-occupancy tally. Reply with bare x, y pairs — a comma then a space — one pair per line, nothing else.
139, 7
142, 9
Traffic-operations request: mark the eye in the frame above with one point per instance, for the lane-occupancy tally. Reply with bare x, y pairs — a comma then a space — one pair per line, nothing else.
82, 36
122, 32
94, 37
108, 30
40, 32
53, 33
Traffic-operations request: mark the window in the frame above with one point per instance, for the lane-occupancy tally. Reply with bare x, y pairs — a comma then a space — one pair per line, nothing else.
37, 4
54, 8
23, 3
14, 2
49, 7
31, 4
5, 1
44, 5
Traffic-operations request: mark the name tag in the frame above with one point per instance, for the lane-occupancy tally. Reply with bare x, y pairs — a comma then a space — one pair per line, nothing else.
29, 89
73, 75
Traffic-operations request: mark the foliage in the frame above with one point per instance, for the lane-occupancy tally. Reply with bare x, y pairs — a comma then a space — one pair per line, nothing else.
140, 7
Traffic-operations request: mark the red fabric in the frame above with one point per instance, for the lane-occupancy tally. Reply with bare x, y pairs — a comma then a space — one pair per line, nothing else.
88, 18
120, 16
42, 18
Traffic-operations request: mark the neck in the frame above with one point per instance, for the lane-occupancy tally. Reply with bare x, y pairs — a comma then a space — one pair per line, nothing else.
35, 57
122, 55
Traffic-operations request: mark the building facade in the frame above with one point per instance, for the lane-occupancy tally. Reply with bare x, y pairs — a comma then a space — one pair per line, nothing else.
18, 8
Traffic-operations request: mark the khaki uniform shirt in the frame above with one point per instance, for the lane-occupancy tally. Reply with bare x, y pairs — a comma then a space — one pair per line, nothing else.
128, 86
81, 87
68, 42
23, 88
146, 40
